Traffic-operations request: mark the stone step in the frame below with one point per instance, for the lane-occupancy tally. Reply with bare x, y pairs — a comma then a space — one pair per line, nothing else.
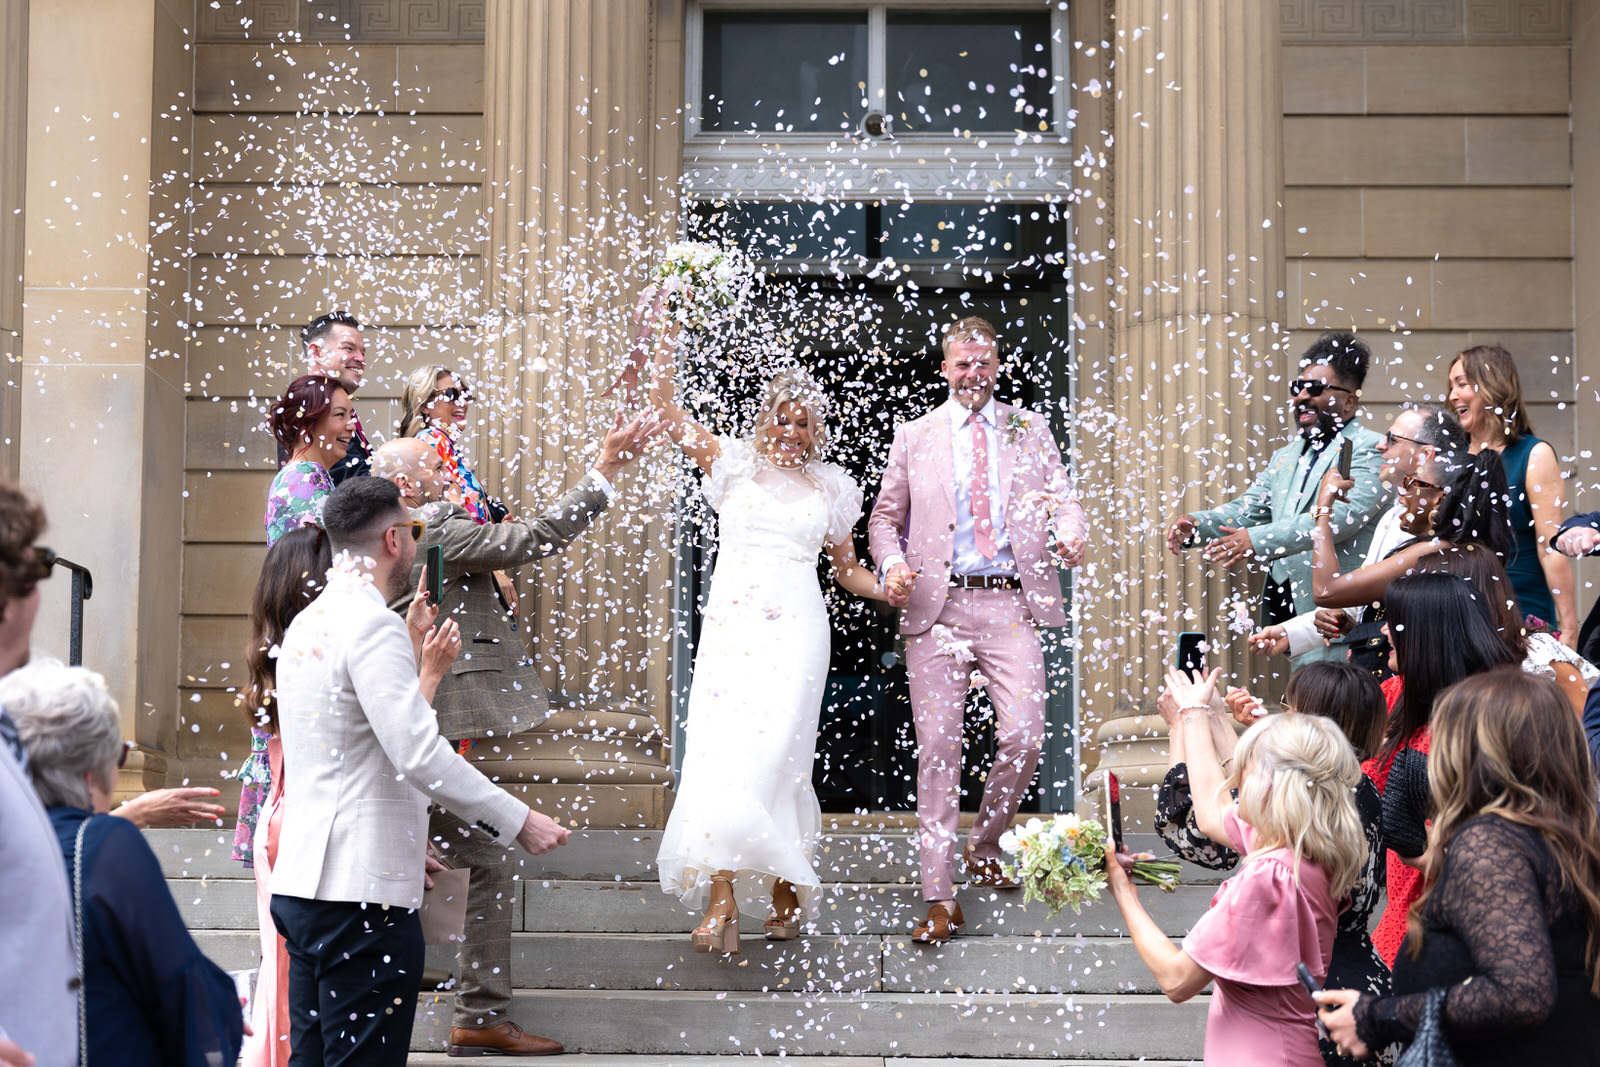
881, 856
441, 1059
1000, 1026
850, 964
619, 907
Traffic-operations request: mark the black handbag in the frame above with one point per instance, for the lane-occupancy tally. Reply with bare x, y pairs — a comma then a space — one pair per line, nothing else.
1429, 1048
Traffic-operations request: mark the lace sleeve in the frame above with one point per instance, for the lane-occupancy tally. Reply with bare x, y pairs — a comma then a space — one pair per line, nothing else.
1405, 804
1175, 823
1490, 896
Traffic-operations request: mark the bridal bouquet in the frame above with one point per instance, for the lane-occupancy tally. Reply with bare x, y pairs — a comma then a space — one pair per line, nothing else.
1063, 862
694, 280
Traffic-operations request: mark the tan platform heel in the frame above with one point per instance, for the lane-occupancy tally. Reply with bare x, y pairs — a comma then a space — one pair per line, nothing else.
719, 932
783, 921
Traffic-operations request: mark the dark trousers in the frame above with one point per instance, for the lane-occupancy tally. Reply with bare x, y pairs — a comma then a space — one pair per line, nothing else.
354, 974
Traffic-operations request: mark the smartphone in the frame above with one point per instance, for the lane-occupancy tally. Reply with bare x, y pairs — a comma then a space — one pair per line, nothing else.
1191, 652
1345, 447
435, 565
1304, 974
1112, 802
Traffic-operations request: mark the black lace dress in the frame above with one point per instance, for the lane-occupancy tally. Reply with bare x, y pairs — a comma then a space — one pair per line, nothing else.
1355, 964
1509, 944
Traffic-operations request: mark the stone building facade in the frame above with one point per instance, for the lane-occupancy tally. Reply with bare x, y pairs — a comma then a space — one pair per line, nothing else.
182, 183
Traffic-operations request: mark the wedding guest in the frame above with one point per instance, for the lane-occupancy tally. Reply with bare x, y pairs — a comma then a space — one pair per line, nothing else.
311, 422
1271, 524
152, 997
1442, 631
1297, 826
434, 410
746, 821
1349, 697
1506, 933
1487, 396
335, 347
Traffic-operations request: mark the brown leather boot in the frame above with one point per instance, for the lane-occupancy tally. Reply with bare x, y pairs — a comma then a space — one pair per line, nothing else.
507, 1039
940, 926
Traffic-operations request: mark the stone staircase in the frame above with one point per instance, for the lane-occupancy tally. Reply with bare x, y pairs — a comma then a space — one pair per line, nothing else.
601, 961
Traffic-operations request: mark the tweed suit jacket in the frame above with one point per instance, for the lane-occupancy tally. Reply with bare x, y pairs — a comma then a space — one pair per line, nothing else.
493, 689
364, 752
1276, 509
916, 510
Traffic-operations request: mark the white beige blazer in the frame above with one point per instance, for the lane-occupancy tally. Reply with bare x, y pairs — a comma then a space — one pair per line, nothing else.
362, 754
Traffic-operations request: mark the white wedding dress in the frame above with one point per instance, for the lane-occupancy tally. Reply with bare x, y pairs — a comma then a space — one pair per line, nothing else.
745, 801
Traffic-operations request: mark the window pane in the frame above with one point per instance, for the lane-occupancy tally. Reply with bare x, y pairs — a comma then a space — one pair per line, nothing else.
786, 72
954, 232
972, 72
792, 231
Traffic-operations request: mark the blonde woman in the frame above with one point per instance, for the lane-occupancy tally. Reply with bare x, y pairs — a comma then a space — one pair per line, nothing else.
434, 410
746, 821
1297, 827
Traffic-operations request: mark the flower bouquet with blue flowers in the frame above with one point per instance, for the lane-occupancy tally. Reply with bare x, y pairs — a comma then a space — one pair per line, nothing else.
1062, 861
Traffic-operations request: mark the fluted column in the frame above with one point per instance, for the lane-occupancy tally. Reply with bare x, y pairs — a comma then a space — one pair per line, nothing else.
1196, 381
581, 150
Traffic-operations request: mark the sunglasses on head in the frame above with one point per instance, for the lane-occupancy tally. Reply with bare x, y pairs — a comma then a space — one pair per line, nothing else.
44, 560
1314, 387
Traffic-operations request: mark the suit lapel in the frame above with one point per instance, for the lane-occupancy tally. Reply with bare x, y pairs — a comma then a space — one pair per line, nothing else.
1008, 454
1304, 486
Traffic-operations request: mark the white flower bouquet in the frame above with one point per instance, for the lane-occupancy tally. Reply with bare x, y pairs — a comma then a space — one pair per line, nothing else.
1063, 862
695, 281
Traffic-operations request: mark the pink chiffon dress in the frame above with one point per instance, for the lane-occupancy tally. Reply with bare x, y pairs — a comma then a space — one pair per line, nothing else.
1262, 922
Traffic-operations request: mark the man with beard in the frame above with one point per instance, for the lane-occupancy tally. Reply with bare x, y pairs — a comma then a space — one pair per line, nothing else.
365, 754
1272, 521
334, 346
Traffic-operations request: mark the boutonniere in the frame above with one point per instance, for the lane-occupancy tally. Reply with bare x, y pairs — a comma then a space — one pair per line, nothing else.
1017, 424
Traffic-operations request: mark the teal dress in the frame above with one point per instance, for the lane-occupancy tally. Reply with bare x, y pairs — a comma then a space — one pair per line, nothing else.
1527, 576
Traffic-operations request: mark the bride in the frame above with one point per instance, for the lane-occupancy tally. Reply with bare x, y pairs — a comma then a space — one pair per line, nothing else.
746, 820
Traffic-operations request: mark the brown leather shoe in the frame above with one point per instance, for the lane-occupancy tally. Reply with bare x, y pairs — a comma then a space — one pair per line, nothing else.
986, 872
507, 1039
940, 925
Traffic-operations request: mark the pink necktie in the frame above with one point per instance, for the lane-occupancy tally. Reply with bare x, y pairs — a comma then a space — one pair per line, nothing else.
982, 526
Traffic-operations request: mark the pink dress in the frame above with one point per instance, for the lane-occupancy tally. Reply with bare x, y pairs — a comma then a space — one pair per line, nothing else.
269, 1016
1260, 924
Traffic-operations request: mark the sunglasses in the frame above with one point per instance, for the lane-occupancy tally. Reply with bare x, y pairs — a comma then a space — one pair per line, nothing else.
452, 395
1391, 437
44, 560
1314, 388
414, 525
1411, 481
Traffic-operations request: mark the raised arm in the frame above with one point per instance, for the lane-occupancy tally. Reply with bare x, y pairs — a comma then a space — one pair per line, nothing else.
1364, 585
697, 442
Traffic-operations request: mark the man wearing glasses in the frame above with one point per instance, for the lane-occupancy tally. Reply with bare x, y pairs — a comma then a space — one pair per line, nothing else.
1417, 434
1271, 522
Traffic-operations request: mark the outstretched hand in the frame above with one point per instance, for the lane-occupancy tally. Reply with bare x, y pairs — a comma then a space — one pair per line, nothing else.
540, 833
1178, 533
627, 440
165, 808
1232, 548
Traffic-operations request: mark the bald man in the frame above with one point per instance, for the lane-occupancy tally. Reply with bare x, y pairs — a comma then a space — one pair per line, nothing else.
492, 691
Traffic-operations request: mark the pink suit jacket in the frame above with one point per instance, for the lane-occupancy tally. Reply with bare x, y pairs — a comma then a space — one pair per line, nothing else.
916, 510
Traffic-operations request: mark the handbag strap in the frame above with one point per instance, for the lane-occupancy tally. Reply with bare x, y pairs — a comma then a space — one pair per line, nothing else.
77, 944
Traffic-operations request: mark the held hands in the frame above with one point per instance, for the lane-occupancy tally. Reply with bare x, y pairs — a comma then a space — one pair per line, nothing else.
1179, 533
540, 833
1232, 548
1337, 1011
898, 583
1578, 541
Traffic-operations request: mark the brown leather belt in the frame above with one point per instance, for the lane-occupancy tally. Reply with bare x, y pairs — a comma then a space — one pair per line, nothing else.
985, 581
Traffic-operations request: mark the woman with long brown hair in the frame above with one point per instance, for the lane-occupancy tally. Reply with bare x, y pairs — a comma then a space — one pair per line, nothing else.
1486, 393
1507, 929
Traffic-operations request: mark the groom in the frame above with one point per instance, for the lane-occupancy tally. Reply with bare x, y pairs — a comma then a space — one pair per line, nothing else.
976, 499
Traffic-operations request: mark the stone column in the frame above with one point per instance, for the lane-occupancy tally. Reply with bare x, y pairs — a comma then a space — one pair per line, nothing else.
101, 442
581, 158
1196, 377
13, 174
